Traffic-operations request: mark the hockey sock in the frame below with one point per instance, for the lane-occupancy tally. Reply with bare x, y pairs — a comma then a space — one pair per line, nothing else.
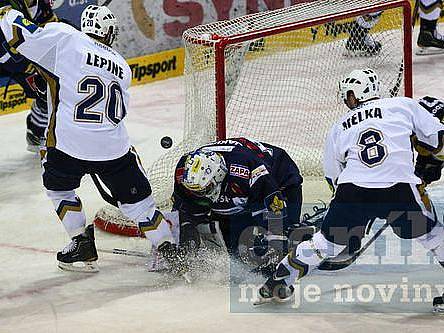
69, 209
430, 9
308, 255
149, 220
434, 241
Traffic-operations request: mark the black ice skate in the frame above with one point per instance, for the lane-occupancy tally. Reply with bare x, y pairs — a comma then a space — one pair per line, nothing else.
361, 43
80, 255
430, 41
275, 288
438, 304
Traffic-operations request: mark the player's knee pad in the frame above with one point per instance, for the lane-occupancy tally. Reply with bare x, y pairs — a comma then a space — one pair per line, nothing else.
308, 255
317, 249
140, 210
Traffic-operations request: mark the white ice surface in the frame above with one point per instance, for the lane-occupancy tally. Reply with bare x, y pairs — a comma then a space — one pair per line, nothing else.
124, 297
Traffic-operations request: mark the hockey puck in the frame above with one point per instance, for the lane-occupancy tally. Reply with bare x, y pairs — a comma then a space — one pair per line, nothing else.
166, 142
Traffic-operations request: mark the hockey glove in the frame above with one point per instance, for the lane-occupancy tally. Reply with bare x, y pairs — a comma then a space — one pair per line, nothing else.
434, 106
428, 168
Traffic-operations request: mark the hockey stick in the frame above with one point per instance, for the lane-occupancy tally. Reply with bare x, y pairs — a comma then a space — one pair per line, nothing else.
125, 252
106, 196
395, 90
333, 264
107, 2
415, 13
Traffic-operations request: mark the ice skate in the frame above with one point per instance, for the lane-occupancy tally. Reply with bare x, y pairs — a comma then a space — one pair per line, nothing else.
275, 289
438, 304
80, 255
430, 41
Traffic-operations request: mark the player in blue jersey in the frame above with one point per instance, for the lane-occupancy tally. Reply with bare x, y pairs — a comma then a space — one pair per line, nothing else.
239, 183
22, 71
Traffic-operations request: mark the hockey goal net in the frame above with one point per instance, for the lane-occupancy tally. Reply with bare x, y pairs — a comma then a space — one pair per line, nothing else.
273, 76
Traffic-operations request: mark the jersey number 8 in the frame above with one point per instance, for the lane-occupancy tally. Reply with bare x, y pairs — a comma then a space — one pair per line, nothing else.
373, 152
115, 108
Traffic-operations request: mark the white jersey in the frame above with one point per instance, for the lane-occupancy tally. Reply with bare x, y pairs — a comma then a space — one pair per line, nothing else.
370, 146
88, 86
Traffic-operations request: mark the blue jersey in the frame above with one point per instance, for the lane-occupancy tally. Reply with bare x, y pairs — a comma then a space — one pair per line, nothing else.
15, 66
257, 175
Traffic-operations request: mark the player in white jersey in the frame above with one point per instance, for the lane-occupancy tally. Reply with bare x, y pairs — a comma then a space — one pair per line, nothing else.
368, 160
88, 84
430, 40
361, 42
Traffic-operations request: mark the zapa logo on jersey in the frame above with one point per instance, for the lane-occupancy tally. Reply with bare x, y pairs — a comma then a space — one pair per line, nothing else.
24, 23
239, 171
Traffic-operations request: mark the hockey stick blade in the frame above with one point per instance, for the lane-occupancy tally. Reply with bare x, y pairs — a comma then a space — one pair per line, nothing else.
126, 252
337, 263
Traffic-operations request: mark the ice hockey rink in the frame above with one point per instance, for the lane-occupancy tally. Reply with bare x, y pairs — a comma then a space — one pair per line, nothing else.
124, 296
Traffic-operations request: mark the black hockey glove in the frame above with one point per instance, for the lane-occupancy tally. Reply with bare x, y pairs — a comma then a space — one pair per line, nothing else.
434, 106
428, 168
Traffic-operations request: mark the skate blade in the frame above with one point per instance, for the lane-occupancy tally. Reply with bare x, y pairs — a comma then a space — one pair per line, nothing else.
261, 301
429, 51
82, 267
273, 300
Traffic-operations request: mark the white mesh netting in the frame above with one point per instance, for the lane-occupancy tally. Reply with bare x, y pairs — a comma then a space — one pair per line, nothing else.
282, 88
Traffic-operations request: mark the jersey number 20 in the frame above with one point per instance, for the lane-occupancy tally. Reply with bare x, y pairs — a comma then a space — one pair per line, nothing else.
115, 108
372, 152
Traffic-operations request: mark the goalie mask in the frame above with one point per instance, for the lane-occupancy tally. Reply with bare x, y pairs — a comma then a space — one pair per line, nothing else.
203, 174
363, 82
99, 21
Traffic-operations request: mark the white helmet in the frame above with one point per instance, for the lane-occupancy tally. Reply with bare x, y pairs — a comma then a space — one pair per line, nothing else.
363, 82
99, 21
203, 173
